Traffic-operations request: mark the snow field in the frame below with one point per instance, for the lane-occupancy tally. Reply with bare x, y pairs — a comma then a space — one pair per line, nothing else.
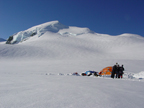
37, 72
33, 90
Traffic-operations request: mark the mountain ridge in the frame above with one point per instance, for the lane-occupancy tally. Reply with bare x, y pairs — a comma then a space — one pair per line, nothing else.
56, 27
39, 30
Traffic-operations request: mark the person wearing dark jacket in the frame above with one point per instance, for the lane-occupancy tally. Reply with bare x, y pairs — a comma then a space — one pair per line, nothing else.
121, 69
113, 71
117, 71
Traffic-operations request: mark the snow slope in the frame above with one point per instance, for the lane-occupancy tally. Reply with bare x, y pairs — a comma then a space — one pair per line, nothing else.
36, 72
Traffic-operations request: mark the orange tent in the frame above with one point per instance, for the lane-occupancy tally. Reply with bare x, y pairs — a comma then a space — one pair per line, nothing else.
106, 71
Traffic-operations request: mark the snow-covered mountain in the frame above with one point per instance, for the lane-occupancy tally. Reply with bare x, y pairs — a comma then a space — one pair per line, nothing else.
1, 40
55, 40
53, 26
60, 29
37, 67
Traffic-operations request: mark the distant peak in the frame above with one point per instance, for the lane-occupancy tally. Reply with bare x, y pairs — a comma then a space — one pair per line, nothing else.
1, 40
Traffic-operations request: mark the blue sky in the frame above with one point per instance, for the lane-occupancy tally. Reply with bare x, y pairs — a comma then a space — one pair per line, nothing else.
112, 17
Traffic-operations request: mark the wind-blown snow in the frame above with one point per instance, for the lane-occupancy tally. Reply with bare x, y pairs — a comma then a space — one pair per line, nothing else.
37, 72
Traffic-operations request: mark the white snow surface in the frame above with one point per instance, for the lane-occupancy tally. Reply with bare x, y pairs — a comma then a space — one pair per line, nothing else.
139, 75
37, 72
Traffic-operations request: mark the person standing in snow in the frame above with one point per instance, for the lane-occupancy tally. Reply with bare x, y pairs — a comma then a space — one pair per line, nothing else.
117, 71
121, 69
113, 71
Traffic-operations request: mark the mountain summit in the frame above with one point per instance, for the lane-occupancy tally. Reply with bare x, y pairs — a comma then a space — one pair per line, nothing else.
39, 30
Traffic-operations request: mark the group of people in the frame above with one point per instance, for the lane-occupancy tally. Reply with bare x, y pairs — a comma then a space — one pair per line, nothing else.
118, 71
